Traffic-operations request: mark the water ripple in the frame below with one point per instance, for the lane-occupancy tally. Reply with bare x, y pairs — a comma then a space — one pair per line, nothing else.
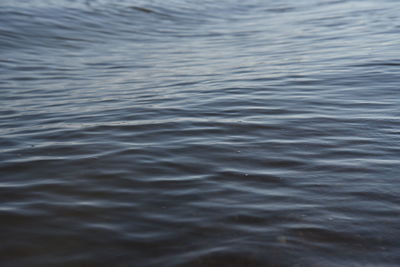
180, 133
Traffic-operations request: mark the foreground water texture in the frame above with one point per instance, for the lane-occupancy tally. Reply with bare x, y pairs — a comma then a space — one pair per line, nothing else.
199, 133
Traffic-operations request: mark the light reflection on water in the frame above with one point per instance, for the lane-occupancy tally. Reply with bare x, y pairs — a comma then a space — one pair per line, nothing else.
199, 133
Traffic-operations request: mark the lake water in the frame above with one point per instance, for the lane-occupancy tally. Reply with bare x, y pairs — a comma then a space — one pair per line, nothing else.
200, 133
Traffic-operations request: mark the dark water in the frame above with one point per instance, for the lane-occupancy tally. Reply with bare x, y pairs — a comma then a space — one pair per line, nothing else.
199, 133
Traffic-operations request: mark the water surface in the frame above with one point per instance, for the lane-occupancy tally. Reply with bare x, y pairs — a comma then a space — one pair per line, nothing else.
199, 133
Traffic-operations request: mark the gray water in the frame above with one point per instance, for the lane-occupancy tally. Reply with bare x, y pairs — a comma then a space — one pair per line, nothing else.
199, 133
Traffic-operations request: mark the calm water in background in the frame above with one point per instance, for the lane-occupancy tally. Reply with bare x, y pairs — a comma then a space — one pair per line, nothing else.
199, 133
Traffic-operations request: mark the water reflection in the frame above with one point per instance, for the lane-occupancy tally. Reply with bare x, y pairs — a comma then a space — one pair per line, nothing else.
185, 134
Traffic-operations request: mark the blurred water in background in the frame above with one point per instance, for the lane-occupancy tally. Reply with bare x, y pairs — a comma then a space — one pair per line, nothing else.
199, 133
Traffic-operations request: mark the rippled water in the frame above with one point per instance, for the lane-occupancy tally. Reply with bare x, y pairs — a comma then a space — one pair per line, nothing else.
199, 133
